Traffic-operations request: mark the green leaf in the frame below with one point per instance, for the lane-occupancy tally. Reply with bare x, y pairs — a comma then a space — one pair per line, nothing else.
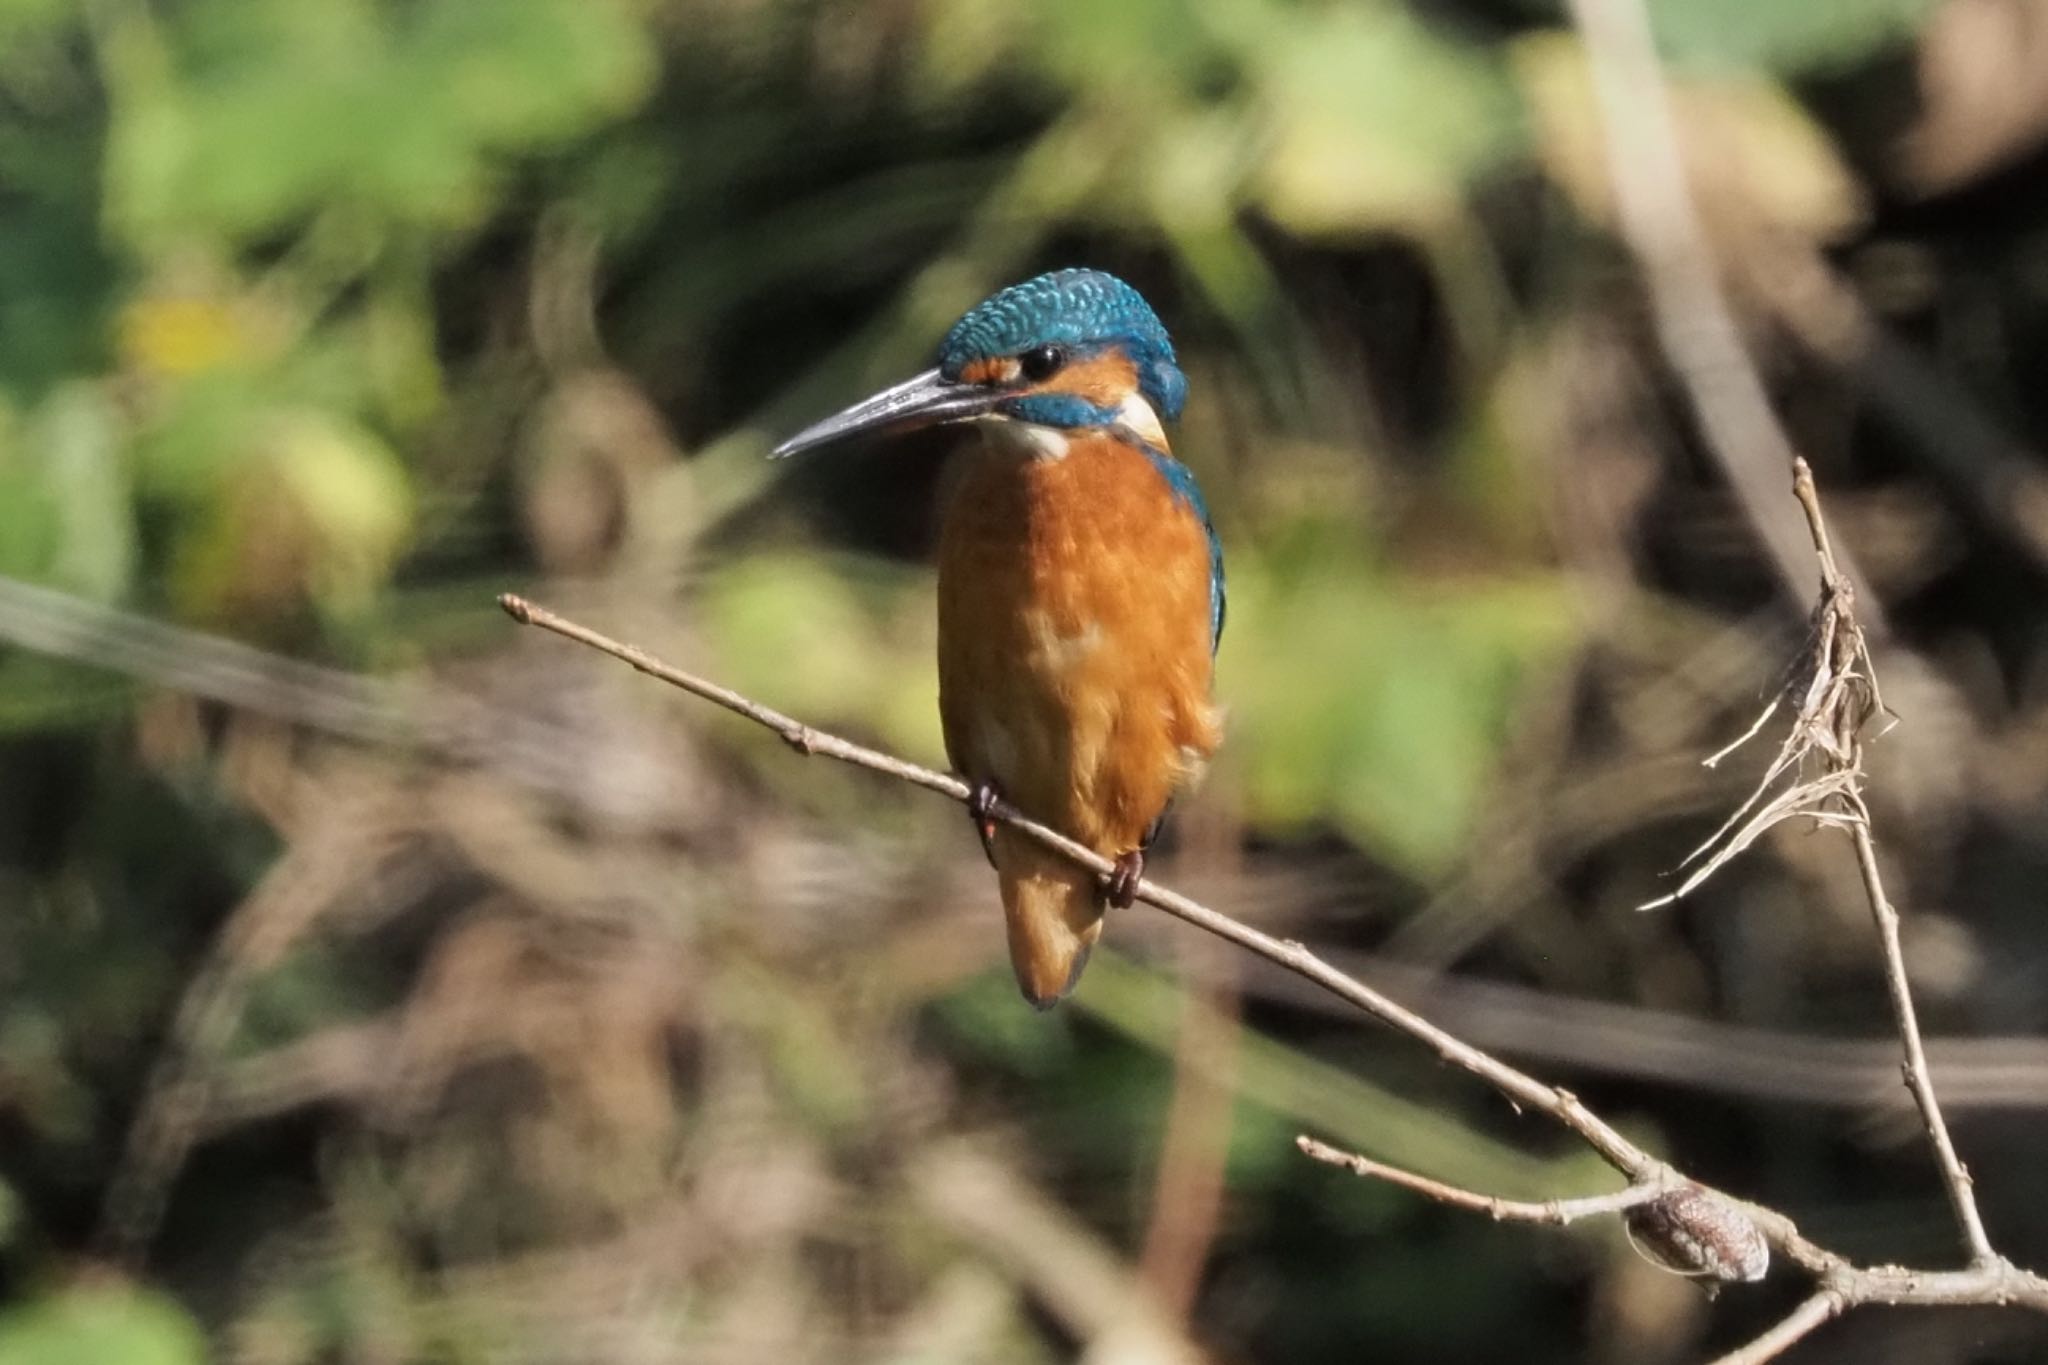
1376, 121
55, 276
80, 436
240, 117
1786, 37
101, 1326
769, 617
1375, 706
1783, 36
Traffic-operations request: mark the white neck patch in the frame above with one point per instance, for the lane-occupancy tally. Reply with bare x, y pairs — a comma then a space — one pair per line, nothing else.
1029, 439
1137, 414
1039, 442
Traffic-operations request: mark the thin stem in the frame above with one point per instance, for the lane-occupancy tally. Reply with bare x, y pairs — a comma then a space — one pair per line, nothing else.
1811, 1313
1524, 1090
1955, 1177
1556, 1212
1962, 1192
1843, 1286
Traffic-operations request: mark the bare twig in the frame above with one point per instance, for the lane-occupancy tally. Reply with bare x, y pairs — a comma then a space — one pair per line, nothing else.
1520, 1088
1839, 697
1993, 1281
1555, 1212
1676, 1224
1698, 329
1810, 1313
1962, 1194
1845, 758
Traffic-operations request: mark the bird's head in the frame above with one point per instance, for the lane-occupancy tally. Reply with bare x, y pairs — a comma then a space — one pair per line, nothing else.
1070, 350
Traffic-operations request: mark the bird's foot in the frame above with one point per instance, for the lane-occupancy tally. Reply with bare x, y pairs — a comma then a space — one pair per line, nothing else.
1120, 888
981, 808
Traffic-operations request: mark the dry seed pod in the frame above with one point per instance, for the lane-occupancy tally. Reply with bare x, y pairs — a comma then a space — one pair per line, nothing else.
1694, 1232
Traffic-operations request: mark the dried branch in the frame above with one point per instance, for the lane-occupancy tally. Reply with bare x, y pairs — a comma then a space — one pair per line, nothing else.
1698, 329
1845, 758
1523, 1090
1554, 1212
1810, 1313
1839, 697
1991, 1281
1676, 1224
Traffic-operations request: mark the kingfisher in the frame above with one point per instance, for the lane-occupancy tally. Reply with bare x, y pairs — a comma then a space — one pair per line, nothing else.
1080, 594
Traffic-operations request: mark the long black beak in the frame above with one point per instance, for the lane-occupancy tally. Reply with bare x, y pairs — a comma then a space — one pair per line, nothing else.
928, 399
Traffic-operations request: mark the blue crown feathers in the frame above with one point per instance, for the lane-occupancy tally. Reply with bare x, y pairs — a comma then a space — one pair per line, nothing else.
1084, 309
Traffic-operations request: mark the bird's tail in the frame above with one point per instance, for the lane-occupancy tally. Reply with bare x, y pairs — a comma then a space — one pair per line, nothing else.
1054, 913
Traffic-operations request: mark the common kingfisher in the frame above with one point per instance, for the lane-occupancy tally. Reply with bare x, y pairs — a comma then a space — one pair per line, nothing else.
1080, 594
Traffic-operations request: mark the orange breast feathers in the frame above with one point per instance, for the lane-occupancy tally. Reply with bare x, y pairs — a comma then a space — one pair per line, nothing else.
1074, 670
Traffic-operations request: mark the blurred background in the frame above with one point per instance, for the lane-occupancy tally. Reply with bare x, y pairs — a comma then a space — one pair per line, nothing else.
381, 983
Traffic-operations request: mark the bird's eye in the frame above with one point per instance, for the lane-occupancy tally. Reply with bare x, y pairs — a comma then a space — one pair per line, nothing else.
1041, 362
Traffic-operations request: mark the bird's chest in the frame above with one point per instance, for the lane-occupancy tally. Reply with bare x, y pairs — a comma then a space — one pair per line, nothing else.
1073, 600
1046, 561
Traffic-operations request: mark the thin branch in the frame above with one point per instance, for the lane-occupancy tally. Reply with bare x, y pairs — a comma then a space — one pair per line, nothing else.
1674, 1223
1962, 1195
1811, 1313
1840, 696
1990, 1282
1554, 1212
1955, 1177
1654, 203
1522, 1089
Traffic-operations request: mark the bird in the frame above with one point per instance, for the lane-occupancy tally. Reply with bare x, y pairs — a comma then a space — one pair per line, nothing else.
1081, 594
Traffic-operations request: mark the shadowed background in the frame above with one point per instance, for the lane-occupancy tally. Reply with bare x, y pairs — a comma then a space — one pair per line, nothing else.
379, 983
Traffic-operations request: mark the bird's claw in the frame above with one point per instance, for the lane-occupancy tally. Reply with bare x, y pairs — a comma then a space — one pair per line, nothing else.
981, 806
1121, 887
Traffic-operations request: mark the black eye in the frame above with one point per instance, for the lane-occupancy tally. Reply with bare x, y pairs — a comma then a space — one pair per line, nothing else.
1041, 362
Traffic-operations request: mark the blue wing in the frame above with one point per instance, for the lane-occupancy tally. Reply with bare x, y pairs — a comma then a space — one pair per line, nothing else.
1182, 480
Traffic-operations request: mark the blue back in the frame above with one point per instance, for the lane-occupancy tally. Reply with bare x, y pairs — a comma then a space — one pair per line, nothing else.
1182, 480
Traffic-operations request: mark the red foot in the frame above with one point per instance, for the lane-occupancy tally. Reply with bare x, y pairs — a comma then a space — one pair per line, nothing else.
1121, 887
981, 805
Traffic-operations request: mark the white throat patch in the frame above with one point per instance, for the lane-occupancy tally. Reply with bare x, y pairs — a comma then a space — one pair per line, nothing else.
1028, 439
1036, 441
1137, 414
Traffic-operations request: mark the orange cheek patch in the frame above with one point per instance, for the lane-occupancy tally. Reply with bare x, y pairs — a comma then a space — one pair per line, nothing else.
994, 370
1104, 380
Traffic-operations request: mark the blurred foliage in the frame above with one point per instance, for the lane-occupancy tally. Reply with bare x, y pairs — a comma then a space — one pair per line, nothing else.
1783, 38
400, 993
92, 1326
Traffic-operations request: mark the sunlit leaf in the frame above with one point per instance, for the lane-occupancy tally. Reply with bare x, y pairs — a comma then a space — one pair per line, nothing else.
1806, 36
241, 116
1376, 707
80, 436
796, 631
98, 1326
308, 508
1375, 121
